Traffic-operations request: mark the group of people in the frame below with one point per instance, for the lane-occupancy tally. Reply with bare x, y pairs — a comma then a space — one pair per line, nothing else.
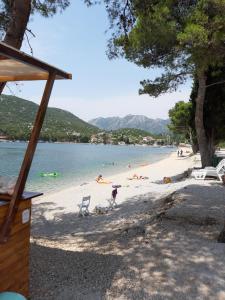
180, 153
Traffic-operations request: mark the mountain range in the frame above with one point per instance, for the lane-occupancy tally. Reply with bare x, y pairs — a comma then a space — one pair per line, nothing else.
154, 126
17, 117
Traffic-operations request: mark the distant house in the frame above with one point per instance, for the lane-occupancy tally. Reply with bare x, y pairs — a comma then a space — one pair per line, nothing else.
94, 139
3, 138
148, 140
74, 133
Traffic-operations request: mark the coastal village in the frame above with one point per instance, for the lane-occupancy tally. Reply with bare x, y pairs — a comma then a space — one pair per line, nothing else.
104, 138
85, 215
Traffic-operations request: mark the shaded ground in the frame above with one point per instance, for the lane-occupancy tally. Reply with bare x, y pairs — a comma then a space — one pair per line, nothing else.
145, 249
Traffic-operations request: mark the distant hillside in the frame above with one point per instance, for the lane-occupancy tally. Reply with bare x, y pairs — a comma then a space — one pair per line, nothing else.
155, 126
17, 116
131, 132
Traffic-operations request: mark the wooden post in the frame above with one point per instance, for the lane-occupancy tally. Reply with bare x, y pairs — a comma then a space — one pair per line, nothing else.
25, 168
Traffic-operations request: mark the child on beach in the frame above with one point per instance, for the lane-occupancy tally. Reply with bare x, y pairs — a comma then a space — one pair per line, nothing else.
114, 193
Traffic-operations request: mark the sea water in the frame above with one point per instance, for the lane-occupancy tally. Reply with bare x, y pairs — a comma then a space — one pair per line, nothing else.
75, 163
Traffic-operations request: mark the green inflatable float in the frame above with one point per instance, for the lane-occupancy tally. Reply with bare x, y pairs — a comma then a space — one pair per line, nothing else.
49, 174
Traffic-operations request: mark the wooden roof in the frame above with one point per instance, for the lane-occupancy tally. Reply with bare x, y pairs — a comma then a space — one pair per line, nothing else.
16, 65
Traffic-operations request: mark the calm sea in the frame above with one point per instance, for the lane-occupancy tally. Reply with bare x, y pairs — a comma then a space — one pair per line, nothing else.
76, 163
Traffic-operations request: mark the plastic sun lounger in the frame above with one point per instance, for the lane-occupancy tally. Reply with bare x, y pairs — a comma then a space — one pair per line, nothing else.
210, 171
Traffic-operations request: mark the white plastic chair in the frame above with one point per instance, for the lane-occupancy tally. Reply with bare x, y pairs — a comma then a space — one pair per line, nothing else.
210, 171
84, 211
112, 202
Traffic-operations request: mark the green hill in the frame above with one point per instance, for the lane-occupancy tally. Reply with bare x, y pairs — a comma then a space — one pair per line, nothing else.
17, 117
131, 132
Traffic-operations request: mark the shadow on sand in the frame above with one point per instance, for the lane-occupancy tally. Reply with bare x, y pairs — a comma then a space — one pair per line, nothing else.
170, 259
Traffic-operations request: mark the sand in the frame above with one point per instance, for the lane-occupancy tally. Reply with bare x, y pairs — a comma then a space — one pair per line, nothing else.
67, 200
159, 243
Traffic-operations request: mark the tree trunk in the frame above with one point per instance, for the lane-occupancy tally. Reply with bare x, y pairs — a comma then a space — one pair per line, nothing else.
199, 122
211, 143
21, 10
193, 141
194, 148
221, 237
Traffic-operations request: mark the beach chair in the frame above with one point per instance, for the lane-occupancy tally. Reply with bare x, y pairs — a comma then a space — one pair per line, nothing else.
217, 172
112, 202
84, 211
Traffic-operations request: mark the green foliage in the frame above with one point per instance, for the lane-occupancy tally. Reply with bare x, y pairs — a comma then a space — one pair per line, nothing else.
17, 117
46, 8
180, 117
131, 136
182, 37
131, 132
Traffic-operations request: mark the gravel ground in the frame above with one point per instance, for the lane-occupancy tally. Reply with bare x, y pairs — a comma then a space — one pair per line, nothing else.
153, 246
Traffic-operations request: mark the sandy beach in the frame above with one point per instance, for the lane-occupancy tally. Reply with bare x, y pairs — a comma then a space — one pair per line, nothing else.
67, 200
159, 243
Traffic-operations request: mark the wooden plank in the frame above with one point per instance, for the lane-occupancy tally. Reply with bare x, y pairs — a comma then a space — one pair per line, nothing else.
26, 195
25, 77
18, 227
22, 206
14, 261
17, 220
24, 171
16, 281
15, 239
19, 259
8, 252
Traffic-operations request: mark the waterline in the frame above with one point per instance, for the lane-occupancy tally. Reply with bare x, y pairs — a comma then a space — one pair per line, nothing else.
75, 163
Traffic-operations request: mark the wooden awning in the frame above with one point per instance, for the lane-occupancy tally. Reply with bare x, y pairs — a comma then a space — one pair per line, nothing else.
16, 65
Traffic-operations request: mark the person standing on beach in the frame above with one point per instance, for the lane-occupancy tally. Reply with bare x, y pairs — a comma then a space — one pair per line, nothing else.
178, 153
114, 193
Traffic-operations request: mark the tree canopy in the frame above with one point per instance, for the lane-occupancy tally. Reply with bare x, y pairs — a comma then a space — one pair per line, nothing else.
46, 8
180, 116
183, 38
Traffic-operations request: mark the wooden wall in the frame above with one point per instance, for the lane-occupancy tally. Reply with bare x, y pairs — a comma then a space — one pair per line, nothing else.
14, 254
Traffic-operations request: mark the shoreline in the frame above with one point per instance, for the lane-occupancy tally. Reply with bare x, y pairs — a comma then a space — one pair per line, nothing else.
66, 200
110, 174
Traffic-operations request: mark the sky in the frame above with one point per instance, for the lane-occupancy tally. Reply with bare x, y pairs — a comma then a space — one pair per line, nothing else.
76, 41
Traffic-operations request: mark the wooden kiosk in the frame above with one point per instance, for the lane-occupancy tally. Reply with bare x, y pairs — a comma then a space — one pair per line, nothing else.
15, 210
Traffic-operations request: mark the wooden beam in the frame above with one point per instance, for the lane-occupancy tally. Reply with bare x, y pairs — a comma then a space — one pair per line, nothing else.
25, 168
25, 77
13, 53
